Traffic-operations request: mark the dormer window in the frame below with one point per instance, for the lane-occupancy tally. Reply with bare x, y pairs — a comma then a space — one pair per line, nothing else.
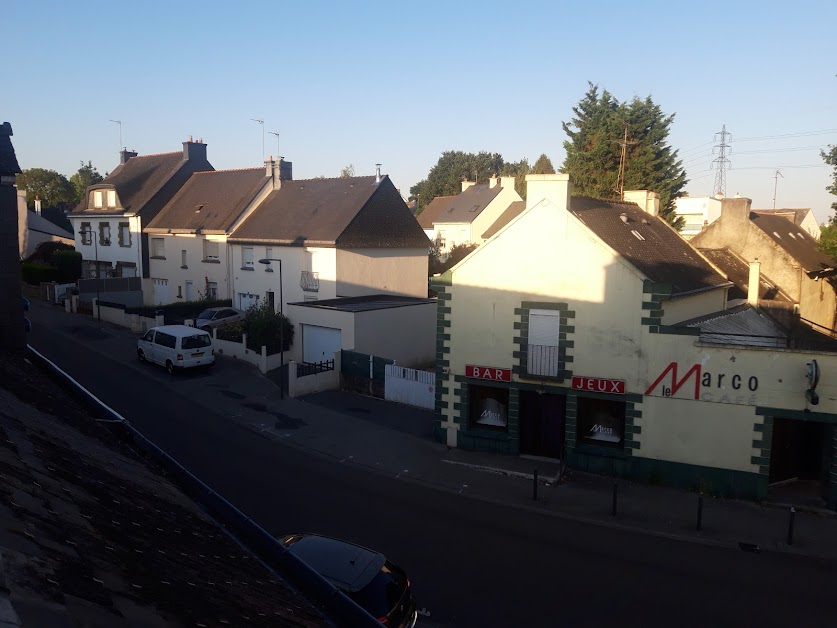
111, 198
97, 199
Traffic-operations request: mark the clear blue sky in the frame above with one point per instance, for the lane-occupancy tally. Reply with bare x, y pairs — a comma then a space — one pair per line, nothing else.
399, 83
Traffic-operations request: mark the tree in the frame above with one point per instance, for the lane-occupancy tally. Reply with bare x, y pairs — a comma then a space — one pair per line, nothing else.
348, 171
594, 150
518, 170
53, 189
828, 239
543, 165
445, 178
830, 158
86, 176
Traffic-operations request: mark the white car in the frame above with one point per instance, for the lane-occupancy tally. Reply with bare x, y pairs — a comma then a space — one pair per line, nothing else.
217, 316
176, 347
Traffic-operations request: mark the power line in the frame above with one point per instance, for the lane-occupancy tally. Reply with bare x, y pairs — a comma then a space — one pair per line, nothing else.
782, 150
786, 135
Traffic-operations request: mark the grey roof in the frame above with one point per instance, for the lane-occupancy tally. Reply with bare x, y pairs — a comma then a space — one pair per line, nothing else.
513, 211
8, 159
210, 201
796, 242
464, 207
794, 215
743, 325
649, 244
40, 224
92, 535
738, 272
365, 303
352, 212
139, 179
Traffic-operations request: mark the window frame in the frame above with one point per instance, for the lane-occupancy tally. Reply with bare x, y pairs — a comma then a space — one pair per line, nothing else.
124, 228
158, 252
587, 409
477, 395
104, 227
86, 233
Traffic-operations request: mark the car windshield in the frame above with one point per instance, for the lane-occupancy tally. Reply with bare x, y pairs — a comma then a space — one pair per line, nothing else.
196, 342
381, 595
206, 314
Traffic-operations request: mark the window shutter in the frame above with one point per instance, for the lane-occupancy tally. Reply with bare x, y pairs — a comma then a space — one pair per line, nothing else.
544, 326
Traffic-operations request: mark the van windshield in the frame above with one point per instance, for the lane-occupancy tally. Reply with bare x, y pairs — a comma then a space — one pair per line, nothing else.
196, 342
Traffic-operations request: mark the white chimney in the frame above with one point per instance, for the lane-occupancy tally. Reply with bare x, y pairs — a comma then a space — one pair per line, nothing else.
753, 285
466, 184
648, 201
553, 187
493, 181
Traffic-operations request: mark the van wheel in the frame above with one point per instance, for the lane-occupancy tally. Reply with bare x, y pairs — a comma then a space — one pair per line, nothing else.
141, 355
170, 367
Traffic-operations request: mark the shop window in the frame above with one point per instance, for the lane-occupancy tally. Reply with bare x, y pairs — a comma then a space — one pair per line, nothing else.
601, 422
488, 407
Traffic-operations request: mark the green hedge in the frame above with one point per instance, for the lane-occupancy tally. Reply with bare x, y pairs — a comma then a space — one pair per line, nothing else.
184, 310
68, 265
34, 273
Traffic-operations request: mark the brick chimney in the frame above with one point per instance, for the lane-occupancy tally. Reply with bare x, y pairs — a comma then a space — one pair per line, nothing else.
553, 187
194, 150
648, 201
125, 155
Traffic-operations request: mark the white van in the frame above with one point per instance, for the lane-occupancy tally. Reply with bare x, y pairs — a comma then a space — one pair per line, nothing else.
176, 347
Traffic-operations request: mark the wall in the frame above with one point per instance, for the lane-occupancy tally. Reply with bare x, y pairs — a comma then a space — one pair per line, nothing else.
328, 380
344, 321
404, 334
692, 306
817, 301
198, 271
114, 252
374, 271
453, 234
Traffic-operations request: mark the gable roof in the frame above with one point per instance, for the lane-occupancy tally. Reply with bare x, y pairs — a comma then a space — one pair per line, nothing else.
139, 179
513, 211
464, 207
742, 325
348, 212
796, 242
797, 216
40, 224
649, 244
209, 201
738, 272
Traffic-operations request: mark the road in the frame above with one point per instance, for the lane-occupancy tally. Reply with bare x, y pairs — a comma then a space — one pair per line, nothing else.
472, 563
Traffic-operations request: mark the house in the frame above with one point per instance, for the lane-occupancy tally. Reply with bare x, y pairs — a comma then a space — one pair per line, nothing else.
463, 218
108, 223
697, 212
33, 229
788, 257
802, 218
589, 331
188, 239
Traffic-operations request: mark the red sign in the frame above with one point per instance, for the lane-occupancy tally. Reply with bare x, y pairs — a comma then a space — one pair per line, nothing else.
488, 372
597, 384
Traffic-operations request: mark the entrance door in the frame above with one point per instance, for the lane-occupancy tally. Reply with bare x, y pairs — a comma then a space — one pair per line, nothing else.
319, 343
799, 457
542, 424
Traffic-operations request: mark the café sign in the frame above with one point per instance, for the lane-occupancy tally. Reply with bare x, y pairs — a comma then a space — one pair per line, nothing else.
488, 372
598, 384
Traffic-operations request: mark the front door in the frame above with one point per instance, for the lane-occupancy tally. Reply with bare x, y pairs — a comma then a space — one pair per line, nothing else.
541, 423
799, 459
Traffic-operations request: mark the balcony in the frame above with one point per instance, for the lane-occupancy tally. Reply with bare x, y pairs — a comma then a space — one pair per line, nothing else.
543, 360
310, 281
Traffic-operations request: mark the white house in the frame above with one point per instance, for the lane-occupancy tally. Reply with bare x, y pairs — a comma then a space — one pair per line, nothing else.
697, 212
33, 229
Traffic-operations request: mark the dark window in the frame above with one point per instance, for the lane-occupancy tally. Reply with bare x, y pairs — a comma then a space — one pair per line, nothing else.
149, 336
207, 315
488, 407
165, 340
381, 595
198, 341
601, 422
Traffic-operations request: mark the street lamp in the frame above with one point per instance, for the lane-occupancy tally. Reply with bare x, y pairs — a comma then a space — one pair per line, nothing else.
267, 261
89, 232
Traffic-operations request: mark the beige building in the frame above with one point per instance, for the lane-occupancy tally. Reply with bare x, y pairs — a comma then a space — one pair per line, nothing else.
591, 332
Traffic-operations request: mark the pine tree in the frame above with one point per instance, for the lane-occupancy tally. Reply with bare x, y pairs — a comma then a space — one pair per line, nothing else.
543, 166
594, 150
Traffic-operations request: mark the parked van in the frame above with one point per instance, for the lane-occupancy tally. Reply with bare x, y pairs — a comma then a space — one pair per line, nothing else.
176, 347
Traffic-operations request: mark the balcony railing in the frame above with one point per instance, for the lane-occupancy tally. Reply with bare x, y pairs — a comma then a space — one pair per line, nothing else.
310, 281
543, 360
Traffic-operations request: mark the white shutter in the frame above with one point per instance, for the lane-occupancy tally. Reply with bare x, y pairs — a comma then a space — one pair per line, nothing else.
544, 326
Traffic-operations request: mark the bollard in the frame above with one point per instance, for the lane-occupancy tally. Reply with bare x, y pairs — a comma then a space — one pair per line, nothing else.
790, 525
615, 492
535, 487
700, 512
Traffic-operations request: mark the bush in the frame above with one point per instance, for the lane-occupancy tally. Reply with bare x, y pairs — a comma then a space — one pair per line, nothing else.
68, 265
233, 332
181, 310
45, 252
265, 327
34, 273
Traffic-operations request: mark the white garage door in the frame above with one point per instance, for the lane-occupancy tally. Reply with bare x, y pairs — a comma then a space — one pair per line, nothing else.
319, 343
245, 300
161, 292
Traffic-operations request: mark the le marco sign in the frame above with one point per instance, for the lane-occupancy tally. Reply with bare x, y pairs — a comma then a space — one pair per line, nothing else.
706, 386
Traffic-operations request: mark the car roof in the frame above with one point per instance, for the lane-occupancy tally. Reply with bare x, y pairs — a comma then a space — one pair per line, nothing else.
180, 330
347, 566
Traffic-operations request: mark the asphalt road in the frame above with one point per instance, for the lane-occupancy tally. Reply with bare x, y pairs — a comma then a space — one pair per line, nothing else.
471, 563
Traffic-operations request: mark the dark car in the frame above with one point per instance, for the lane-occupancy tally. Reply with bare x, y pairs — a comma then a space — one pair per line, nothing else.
366, 576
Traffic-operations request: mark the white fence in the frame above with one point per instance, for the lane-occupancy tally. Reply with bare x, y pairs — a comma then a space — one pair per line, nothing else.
415, 388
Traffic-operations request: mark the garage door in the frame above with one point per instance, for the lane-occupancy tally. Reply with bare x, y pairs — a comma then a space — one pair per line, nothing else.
319, 343
161, 292
246, 299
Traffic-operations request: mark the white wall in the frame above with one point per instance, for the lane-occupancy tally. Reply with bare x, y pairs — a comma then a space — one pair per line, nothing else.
299, 315
404, 334
374, 271
113, 253
197, 271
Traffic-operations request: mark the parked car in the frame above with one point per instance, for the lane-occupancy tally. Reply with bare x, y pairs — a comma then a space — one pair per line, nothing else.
217, 316
366, 576
176, 347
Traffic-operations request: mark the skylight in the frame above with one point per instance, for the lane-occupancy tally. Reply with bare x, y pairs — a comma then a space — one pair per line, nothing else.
637, 235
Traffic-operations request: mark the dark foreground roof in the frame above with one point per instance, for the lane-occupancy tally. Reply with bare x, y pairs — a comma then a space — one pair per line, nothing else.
210, 201
796, 242
8, 159
738, 272
649, 244
742, 325
464, 207
91, 535
365, 303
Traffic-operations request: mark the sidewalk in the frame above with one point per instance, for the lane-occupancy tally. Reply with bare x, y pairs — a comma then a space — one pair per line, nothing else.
384, 436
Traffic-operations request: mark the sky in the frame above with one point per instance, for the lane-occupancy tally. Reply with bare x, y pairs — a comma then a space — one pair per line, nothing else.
398, 84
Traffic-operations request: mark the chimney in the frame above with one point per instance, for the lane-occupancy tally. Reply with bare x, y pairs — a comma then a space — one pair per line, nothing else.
736, 211
507, 182
125, 155
753, 285
493, 181
648, 201
553, 187
37, 205
281, 171
377, 173
466, 184
194, 150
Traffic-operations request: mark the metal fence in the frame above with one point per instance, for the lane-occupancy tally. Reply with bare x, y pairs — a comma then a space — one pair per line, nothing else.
312, 368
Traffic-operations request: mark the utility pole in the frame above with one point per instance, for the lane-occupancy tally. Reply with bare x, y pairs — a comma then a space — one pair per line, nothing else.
776, 176
276, 133
721, 161
261, 122
623, 158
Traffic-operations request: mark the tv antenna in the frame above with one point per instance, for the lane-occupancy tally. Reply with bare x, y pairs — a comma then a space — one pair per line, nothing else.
261, 122
623, 158
119, 122
776, 176
276, 133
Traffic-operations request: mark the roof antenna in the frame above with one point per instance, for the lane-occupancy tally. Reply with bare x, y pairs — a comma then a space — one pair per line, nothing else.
776, 184
276, 133
261, 122
119, 122
377, 173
